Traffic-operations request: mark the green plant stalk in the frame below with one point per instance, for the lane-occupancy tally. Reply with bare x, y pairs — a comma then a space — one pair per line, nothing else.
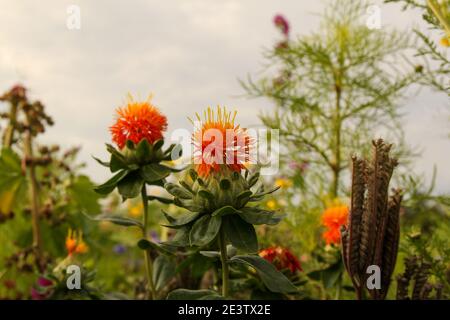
9, 132
224, 261
336, 168
338, 287
148, 259
33, 193
437, 13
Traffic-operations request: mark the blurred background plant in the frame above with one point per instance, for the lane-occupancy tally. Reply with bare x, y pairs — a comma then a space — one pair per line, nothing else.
436, 64
333, 91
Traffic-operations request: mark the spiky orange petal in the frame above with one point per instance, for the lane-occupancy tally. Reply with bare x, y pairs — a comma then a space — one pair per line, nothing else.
220, 143
137, 121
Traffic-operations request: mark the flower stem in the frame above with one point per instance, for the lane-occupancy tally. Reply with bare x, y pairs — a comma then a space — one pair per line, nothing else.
147, 257
34, 196
224, 260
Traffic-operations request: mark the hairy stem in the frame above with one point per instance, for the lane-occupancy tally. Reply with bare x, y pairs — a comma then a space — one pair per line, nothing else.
151, 292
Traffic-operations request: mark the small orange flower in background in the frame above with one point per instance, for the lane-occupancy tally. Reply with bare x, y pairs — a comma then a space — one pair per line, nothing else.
75, 243
333, 218
281, 258
137, 121
212, 152
445, 42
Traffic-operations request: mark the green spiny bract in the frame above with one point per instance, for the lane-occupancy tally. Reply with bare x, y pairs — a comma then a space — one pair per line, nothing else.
221, 200
135, 165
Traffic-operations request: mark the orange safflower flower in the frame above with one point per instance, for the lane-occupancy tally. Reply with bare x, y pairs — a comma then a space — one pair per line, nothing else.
333, 218
281, 258
75, 243
137, 121
220, 143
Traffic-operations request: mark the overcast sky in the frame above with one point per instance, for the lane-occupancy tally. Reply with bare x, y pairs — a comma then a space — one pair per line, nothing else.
189, 54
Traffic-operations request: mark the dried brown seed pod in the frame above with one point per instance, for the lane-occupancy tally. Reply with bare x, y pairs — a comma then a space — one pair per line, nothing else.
373, 226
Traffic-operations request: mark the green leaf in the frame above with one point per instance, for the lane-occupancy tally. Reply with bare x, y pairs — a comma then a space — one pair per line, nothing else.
103, 163
109, 185
253, 179
119, 220
225, 184
255, 215
130, 145
204, 230
193, 174
158, 144
185, 185
145, 244
172, 169
110, 148
224, 211
187, 204
241, 234
185, 294
180, 239
116, 164
131, 185
208, 196
211, 254
274, 280
82, 195
160, 199
164, 270
13, 182
331, 275
181, 220
177, 191
258, 196
154, 171
243, 198
143, 151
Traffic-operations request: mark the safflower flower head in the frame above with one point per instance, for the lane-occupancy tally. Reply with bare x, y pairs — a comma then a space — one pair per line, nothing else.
281, 258
282, 24
75, 243
219, 143
332, 219
137, 121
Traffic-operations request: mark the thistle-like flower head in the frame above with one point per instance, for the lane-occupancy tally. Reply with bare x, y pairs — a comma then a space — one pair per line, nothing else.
137, 121
220, 144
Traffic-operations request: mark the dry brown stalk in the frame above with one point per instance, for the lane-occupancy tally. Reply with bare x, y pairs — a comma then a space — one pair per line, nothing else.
372, 235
